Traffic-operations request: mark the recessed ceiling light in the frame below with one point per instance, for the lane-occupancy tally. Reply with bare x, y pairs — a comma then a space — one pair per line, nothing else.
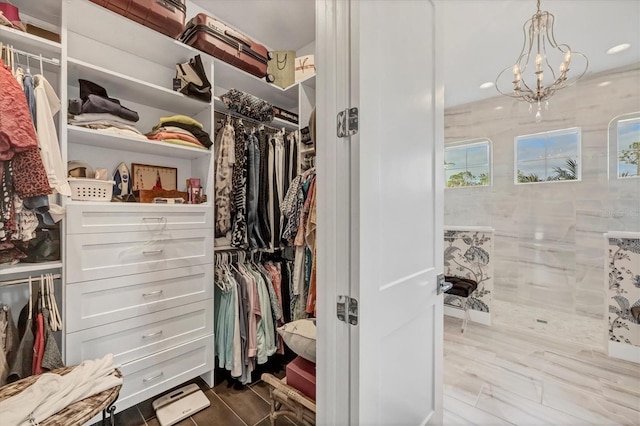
619, 48
499, 107
604, 83
487, 85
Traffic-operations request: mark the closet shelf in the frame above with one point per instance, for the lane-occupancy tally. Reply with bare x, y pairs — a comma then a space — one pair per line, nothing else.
83, 136
164, 207
277, 122
229, 77
30, 43
107, 27
27, 268
131, 89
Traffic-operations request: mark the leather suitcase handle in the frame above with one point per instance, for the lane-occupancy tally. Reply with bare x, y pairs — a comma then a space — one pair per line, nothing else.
236, 38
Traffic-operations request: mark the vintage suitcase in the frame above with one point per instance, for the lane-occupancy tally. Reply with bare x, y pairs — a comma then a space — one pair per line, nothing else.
165, 16
220, 40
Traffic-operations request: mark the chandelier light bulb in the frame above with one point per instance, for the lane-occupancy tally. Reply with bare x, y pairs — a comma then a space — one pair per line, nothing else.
541, 48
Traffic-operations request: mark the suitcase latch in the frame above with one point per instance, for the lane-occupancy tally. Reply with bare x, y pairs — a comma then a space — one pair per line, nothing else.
347, 122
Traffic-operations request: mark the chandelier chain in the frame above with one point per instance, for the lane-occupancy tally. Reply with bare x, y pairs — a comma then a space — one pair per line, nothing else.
538, 6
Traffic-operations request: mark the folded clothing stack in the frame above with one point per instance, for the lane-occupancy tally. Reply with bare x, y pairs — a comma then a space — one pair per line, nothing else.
96, 110
181, 130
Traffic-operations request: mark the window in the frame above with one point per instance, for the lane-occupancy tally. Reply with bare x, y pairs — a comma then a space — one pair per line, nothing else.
548, 156
628, 150
467, 163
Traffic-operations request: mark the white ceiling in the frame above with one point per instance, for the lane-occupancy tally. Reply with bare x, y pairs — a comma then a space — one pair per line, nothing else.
278, 24
481, 37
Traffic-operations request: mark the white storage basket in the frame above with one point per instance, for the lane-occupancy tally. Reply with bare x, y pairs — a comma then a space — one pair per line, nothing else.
91, 189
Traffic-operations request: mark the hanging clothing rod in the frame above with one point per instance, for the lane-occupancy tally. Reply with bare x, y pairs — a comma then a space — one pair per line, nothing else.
26, 280
52, 61
289, 127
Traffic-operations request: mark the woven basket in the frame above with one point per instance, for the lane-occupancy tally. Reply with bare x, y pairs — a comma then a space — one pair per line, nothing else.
91, 189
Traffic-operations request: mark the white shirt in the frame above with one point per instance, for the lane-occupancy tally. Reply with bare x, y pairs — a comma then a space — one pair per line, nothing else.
47, 106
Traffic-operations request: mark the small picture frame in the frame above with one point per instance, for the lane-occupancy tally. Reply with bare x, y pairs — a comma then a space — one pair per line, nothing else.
146, 176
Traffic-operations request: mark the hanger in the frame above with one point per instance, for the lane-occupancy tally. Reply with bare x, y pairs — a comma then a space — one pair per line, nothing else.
30, 298
55, 321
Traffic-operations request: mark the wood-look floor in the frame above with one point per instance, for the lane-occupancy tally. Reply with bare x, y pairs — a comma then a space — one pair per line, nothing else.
496, 376
492, 376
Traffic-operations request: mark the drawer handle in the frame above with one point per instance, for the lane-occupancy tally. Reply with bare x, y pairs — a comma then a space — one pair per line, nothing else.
155, 218
148, 379
153, 293
148, 336
149, 252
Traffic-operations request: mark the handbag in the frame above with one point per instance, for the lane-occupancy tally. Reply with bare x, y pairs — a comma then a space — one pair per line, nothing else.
282, 67
193, 79
305, 67
45, 247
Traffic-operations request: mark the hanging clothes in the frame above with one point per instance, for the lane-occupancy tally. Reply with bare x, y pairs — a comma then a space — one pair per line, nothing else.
47, 107
239, 229
225, 162
29, 93
253, 187
246, 324
23, 363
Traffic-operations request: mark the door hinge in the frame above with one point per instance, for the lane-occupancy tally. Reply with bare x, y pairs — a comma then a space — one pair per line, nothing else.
443, 286
347, 122
348, 310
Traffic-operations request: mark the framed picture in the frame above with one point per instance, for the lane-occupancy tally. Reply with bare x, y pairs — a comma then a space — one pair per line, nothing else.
146, 176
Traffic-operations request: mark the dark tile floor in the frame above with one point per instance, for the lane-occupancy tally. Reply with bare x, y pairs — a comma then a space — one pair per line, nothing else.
231, 405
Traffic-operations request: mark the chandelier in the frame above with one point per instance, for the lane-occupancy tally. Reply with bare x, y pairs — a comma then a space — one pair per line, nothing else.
534, 78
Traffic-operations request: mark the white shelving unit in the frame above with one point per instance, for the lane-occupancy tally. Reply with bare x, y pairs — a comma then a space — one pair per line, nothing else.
30, 43
131, 247
29, 268
124, 87
97, 138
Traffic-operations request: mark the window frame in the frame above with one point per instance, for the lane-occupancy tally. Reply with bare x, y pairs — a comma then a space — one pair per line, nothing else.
470, 143
558, 132
613, 130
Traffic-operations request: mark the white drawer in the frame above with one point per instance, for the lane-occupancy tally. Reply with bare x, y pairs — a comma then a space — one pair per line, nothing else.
138, 337
94, 303
96, 256
150, 376
90, 218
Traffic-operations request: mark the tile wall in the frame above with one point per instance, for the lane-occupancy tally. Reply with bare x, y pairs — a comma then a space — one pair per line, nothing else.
548, 247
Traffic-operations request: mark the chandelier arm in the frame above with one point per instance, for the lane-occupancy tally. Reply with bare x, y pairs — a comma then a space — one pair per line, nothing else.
584, 71
527, 41
546, 59
551, 33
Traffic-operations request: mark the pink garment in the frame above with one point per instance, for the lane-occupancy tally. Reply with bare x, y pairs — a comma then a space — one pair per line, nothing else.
171, 135
17, 133
38, 348
254, 316
276, 279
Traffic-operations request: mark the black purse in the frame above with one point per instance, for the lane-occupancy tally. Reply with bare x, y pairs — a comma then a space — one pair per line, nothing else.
45, 247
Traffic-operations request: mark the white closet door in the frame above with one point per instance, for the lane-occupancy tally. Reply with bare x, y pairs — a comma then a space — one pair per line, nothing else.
396, 230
